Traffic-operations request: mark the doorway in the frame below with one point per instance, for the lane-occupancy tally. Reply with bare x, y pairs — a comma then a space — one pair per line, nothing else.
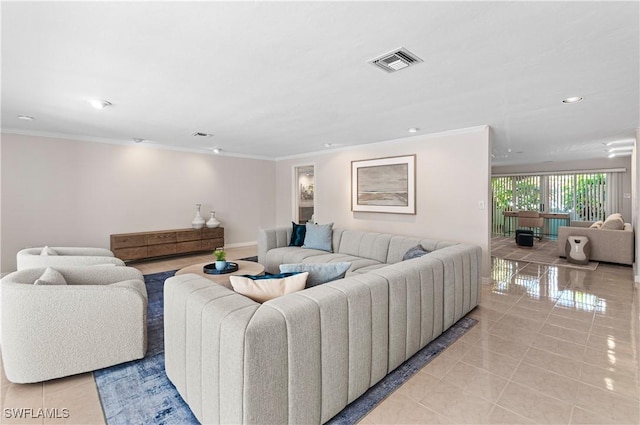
305, 193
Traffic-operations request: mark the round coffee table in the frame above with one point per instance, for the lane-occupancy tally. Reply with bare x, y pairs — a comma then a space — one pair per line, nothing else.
244, 267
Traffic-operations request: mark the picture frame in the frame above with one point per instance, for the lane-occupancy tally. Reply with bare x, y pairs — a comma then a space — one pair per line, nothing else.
385, 185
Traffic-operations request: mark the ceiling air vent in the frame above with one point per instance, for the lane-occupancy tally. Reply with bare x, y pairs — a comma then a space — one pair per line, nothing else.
396, 60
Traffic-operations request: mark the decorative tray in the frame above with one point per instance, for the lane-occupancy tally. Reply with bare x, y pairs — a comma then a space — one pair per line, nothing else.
211, 268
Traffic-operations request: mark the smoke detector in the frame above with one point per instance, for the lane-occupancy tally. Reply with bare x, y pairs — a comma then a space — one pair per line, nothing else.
396, 60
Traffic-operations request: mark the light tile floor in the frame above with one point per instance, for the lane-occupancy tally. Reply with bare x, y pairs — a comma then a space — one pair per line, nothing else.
553, 346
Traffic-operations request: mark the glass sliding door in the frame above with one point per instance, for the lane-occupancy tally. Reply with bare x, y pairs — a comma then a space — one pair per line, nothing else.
581, 195
527, 193
502, 200
590, 197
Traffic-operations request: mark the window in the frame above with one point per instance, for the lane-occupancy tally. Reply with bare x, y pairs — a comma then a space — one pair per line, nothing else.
582, 195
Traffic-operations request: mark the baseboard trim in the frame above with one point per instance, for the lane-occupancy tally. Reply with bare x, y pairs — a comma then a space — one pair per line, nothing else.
241, 244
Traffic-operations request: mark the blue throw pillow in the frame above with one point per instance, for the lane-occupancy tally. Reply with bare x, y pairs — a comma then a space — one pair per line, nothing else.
297, 234
415, 252
319, 273
270, 276
318, 236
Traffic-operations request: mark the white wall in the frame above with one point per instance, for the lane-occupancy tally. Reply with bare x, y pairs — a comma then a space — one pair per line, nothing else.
591, 164
75, 193
452, 177
635, 192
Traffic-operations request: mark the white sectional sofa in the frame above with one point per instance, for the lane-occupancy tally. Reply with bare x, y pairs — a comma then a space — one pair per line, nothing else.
303, 357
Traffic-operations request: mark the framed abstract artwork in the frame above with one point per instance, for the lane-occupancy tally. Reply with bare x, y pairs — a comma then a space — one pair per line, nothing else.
386, 185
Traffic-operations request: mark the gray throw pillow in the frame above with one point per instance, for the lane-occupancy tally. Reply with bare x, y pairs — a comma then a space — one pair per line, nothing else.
415, 252
319, 273
51, 277
48, 251
614, 223
318, 236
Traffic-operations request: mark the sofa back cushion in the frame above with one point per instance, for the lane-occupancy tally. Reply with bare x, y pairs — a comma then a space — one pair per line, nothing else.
373, 246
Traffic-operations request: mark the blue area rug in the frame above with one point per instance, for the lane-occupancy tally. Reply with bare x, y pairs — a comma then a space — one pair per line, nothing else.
139, 392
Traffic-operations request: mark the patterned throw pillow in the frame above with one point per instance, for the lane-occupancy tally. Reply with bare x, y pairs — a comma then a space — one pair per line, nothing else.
268, 287
319, 273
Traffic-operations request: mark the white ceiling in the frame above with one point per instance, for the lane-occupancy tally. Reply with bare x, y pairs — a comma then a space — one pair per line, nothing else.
275, 79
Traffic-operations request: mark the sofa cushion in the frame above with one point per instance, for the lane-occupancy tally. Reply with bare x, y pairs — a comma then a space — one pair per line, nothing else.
318, 236
48, 251
373, 246
319, 273
596, 225
51, 277
297, 234
267, 287
414, 252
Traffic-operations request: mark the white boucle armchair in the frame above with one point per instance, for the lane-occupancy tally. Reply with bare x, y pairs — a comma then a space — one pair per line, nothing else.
97, 319
66, 256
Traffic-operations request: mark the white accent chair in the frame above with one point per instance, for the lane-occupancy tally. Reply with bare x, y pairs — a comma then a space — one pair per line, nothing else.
66, 256
97, 319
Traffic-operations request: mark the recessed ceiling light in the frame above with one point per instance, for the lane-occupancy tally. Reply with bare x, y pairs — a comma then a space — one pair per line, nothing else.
25, 118
573, 99
99, 104
328, 145
137, 140
217, 150
414, 130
